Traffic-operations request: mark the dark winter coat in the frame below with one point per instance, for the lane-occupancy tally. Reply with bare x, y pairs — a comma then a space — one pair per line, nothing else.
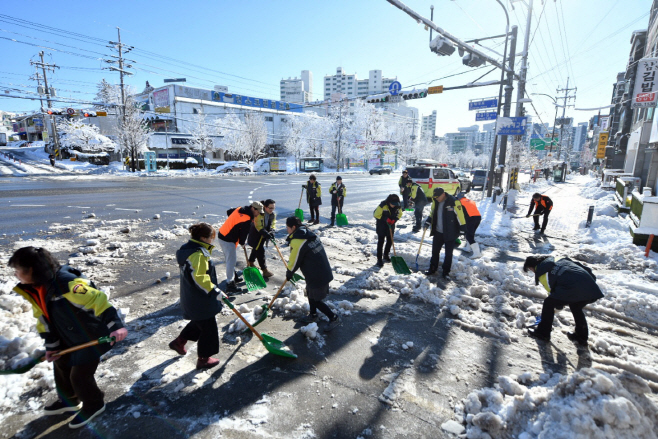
337, 192
544, 204
307, 254
402, 182
257, 237
453, 218
567, 280
198, 281
382, 213
76, 313
417, 195
313, 194
236, 227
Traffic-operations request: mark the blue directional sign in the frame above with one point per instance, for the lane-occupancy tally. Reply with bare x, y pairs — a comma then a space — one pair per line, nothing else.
394, 88
485, 115
511, 126
480, 105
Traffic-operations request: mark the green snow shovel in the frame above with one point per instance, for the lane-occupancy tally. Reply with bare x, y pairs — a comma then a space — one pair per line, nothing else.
252, 277
399, 265
299, 213
272, 345
266, 308
36, 361
341, 218
295, 276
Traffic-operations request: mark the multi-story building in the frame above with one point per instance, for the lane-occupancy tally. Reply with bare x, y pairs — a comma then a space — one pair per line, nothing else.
428, 126
463, 140
352, 86
580, 136
298, 90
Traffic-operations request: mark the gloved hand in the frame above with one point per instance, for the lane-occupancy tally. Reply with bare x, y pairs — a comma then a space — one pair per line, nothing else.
303, 186
266, 234
390, 221
462, 229
426, 225
289, 274
527, 216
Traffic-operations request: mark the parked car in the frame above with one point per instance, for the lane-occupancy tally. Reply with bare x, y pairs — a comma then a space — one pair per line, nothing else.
430, 178
234, 166
479, 176
381, 170
465, 181
18, 144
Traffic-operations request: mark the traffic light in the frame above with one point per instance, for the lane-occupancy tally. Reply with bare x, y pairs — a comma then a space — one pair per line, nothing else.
414, 94
89, 113
472, 60
55, 111
442, 46
378, 99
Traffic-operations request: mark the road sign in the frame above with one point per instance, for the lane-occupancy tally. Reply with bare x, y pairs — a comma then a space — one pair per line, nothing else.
538, 144
70, 111
101, 113
435, 90
394, 88
511, 126
175, 80
485, 115
480, 105
395, 99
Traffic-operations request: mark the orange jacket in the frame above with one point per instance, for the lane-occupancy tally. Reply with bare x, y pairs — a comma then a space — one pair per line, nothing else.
470, 206
545, 203
236, 227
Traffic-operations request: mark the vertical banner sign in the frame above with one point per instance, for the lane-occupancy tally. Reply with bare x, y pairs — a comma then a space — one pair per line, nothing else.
603, 141
161, 100
644, 92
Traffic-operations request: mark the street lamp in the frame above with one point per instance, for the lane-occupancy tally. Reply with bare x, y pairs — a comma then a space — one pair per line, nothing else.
554, 119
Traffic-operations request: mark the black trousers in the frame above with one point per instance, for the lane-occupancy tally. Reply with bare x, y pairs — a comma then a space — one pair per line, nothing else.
381, 237
333, 210
548, 312
259, 253
204, 332
437, 244
77, 383
315, 212
544, 212
472, 224
405, 200
316, 305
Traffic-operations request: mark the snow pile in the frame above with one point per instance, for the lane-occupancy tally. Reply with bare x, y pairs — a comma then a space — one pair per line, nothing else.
310, 331
588, 403
250, 315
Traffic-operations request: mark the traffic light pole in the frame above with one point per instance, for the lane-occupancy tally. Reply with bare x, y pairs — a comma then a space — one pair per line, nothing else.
564, 109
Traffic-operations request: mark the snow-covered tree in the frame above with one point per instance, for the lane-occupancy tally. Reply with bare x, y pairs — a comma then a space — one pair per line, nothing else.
255, 135
232, 130
203, 131
133, 131
84, 138
107, 93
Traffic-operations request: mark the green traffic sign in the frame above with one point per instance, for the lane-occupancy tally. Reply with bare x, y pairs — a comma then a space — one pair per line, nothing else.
541, 144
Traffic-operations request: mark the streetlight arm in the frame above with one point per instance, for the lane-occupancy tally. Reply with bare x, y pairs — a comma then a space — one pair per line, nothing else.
420, 19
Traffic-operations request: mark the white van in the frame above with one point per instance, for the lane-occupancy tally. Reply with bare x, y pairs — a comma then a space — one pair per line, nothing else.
270, 164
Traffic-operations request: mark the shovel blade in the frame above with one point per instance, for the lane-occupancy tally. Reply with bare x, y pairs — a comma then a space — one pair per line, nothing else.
277, 347
22, 369
261, 319
399, 265
253, 279
299, 213
341, 219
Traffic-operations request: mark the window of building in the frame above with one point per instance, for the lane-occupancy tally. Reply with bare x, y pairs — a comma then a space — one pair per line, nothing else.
269, 119
283, 119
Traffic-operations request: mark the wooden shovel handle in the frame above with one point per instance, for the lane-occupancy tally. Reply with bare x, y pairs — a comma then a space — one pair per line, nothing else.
237, 313
421, 242
300, 199
390, 229
277, 294
86, 345
285, 264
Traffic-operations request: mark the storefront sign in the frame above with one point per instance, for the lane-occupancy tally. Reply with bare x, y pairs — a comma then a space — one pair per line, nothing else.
603, 141
161, 100
646, 81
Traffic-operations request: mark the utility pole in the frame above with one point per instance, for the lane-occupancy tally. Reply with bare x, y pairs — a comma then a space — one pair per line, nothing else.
120, 60
37, 77
509, 88
566, 99
45, 67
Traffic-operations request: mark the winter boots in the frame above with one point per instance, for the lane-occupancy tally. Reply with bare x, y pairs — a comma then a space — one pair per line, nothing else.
476, 250
237, 277
467, 246
206, 362
232, 288
178, 345
267, 273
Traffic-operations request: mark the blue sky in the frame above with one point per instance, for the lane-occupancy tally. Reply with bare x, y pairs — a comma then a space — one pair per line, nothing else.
250, 46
